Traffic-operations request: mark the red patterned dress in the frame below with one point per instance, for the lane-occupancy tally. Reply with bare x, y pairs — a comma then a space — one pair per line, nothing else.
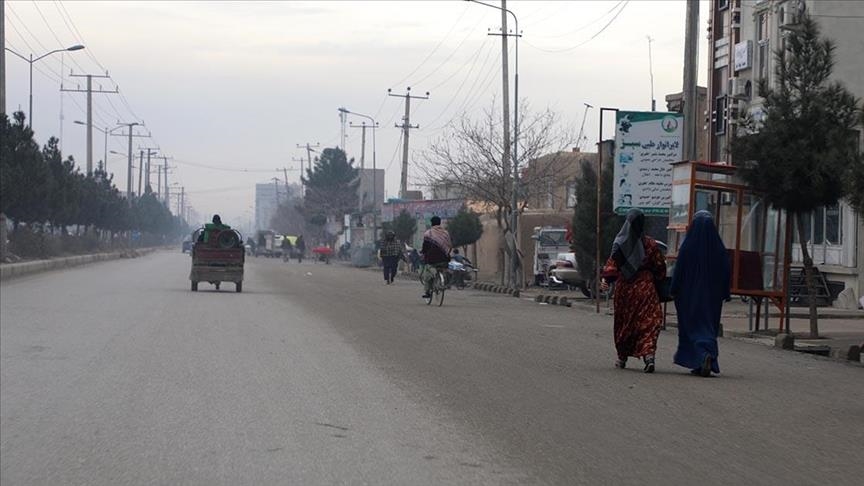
638, 314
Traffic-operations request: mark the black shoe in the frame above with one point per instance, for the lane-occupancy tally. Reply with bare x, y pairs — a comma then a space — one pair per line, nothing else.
649, 364
705, 371
426, 296
621, 363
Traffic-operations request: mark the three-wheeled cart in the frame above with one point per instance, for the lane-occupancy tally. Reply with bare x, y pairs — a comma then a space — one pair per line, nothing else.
218, 258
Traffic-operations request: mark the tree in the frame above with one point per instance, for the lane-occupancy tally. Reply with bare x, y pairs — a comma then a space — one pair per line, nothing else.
469, 156
331, 189
24, 192
855, 187
584, 225
465, 228
404, 225
801, 154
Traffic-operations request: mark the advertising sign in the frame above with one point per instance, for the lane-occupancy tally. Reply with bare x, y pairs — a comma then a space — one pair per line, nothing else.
646, 144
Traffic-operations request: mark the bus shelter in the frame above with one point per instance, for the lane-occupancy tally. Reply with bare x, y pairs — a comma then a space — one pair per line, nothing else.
755, 234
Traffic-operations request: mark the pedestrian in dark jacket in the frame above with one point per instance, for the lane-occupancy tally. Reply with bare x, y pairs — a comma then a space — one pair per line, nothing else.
390, 253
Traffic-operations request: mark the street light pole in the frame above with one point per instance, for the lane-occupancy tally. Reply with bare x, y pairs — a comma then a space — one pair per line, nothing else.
30, 60
374, 174
514, 197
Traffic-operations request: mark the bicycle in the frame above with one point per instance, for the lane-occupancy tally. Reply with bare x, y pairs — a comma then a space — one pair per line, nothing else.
439, 285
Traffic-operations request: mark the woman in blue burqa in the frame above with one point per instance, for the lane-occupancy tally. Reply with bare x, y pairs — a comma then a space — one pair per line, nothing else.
700, 284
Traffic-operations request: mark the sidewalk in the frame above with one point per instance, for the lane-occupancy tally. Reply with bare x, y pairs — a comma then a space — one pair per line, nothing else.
838, 329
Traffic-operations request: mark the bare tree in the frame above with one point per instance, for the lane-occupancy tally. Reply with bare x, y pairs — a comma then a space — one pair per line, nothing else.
468, 156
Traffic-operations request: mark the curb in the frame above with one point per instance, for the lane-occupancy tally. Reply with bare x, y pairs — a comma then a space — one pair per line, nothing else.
496, 289
12, 270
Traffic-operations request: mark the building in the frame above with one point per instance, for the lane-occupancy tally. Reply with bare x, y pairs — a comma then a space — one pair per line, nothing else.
367, 196
268, 196
551, 180
743, 36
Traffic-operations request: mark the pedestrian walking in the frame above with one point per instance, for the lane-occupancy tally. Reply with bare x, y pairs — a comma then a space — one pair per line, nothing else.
390, 252
300, 246
637, 265
700, 284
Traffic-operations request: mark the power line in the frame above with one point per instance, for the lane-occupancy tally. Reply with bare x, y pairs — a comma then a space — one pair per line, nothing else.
226, 169
471, 61
446, 60
581, 28
60, 43
566, 49
80, 37
462, 85
55, 76
428, 56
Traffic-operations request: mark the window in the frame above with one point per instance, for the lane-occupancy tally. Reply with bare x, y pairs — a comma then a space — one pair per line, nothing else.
719, 117
722, 4
571, 195
824, 226
763, 57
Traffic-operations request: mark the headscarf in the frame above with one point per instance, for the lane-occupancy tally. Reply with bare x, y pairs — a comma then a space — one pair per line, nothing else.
703, 254
628, 251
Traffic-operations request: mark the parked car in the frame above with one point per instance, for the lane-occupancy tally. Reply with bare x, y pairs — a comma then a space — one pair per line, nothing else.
564, 272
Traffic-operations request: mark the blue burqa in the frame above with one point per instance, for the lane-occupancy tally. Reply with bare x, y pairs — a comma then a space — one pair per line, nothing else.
700, 284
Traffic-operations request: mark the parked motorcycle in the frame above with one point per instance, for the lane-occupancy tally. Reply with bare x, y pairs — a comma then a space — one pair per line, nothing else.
460, 273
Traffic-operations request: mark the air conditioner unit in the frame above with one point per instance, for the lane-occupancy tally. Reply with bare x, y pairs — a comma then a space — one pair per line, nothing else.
740, 88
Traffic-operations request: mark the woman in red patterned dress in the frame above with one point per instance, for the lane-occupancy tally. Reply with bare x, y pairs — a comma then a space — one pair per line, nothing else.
636, 264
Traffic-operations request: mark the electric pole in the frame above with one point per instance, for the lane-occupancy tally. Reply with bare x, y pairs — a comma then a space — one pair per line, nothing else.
651, 73
309, 149
691, 65
362, 128
150, 152
129, 154
343, 117
183, 203
406, 127
89, 92
140, 172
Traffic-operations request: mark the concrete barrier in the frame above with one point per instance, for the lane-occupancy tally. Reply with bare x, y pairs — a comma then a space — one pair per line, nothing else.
12, 270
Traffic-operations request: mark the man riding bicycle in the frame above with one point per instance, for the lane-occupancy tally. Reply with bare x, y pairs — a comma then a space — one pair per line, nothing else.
435, 252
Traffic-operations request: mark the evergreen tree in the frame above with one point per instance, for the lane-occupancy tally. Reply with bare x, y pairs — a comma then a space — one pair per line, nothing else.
465, 228
584, 224
801, 154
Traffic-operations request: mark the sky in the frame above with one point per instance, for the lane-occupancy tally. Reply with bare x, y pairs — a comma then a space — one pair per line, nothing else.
229, 89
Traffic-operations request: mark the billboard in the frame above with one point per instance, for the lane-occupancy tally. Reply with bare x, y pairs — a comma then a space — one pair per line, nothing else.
422, 210
646, 144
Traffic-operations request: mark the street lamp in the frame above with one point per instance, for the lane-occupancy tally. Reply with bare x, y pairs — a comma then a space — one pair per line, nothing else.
514, 198
76, 47
374, 172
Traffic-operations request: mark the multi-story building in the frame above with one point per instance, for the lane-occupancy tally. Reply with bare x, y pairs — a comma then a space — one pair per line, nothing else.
743, 36
268, 196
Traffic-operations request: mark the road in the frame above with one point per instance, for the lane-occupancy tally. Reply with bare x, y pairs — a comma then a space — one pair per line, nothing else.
116, 373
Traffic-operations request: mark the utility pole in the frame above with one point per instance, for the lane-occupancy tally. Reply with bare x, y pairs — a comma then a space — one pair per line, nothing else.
691, 64
362, 128
150, 152
140, 172
343, 117
651, 73
406, 127
276, 190
183, 203
129, 154
309, 149
3, 73
89, 92
515, 279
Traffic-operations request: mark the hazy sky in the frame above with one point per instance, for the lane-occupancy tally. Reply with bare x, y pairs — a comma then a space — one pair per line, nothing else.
237, 85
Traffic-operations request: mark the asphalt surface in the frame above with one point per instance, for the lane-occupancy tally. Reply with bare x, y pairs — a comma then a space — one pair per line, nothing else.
116, 373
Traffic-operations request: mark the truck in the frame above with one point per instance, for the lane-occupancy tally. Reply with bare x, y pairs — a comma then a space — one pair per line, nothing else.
549, 241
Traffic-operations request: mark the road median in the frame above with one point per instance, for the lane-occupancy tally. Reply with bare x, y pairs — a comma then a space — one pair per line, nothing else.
13, 270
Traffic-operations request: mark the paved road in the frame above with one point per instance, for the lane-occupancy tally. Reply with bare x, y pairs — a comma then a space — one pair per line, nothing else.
116, 374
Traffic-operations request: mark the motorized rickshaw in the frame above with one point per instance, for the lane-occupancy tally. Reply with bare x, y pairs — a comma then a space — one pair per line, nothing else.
218, 256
